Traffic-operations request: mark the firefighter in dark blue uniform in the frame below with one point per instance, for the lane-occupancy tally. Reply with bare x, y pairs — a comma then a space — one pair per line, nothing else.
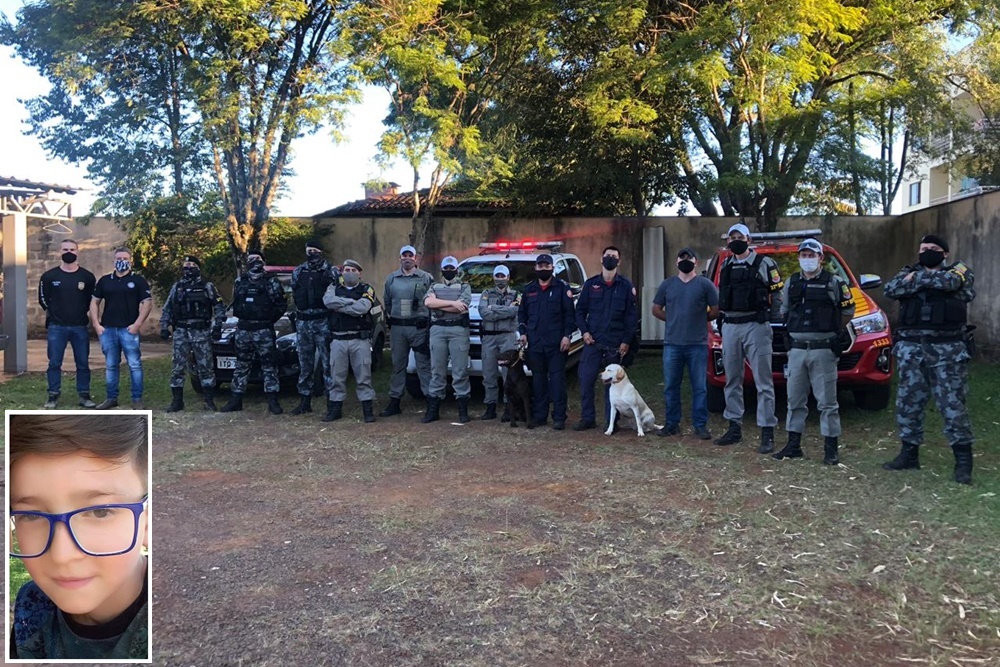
607, 315
545, 323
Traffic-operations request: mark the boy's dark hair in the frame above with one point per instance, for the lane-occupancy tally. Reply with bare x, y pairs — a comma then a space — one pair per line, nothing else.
611, 247
113, 437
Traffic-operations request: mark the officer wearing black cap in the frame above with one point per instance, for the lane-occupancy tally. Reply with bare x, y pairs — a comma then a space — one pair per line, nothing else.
931, 353
196, 311
310, 281
545, 324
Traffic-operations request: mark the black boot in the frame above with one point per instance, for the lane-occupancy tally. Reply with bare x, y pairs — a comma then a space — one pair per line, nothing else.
235, 403
392, 408
334, 410
178, 403
304, 406
963, 463
433, 410
733, 435
463, 410
208, 393
368, 410
830, 447
766, 440
793, 450
53, 401
907, 459
491, 412
272, 403
505, 417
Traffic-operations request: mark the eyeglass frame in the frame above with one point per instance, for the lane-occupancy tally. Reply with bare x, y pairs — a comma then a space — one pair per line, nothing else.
54, 519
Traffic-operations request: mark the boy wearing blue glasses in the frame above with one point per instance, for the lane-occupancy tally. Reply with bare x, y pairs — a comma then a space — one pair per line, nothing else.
78, 522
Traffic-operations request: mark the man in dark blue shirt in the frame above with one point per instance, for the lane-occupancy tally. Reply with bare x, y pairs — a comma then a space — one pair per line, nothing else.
607, 315
545, 324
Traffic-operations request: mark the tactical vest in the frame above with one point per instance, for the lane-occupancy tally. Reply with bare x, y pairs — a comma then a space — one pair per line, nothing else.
251, 300
741, 288
406, 299
309, 288
192, 303
344, 323
447, 292
811, 308
932, 309
493, 297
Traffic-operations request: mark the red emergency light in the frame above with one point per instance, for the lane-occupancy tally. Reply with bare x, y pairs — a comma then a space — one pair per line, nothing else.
518, 246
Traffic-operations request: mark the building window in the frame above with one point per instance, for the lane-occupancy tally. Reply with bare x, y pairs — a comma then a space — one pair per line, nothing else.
914, 193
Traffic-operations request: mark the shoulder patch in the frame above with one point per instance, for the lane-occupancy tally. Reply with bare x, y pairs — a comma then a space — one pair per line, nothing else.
775, 276
569, 293
633, 291
960, 269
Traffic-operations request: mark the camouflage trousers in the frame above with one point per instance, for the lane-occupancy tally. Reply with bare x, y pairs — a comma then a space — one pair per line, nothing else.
197, 343
312, 341
261, 344
940, 369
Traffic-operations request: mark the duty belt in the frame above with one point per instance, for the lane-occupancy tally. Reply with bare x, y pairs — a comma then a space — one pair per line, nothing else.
194, 324
352, 335
923, 340
742, 319
418, 322
457, 322
253, 325
310, 316
814, 344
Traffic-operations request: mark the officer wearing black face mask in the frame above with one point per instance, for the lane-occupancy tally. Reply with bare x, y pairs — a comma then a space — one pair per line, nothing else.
931, 353
310, 281
196, 311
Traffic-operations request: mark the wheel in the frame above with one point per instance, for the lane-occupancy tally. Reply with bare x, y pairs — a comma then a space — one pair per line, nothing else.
413, 386
716, 399
876, 398
378, 345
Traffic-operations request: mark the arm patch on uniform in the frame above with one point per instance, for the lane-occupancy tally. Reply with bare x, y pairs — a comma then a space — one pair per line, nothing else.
960, 269
569, 293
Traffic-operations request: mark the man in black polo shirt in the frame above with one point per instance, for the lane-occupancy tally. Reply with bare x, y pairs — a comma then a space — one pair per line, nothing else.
127, 303
64, 293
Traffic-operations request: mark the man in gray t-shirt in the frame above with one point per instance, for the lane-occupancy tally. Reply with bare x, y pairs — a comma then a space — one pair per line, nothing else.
686, 302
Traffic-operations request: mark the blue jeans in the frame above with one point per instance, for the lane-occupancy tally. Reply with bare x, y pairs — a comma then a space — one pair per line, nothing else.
114, 341
675, 358
58, 336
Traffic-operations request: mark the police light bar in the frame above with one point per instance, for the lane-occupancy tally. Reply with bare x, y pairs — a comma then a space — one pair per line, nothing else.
774, 236
521, 245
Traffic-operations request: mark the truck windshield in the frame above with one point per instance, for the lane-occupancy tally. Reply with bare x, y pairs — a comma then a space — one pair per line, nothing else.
480, 274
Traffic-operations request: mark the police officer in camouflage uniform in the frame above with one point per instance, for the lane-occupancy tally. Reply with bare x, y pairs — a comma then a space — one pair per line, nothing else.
931, 353
498, 332
404, 294
310, 281
817, 305
258, 301
196, 311
448, 302
350, 301
746, 282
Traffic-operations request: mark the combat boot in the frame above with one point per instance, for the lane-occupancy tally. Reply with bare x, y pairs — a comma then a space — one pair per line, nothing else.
463, 410
907, 459
491, 412
368, 411
334, 410
178, 403
433, 407
392, 408
235, 403
208, 393
272, 403
766, 440
963, 463
304, 406
793, 450
830, 447
733, 435
52, 402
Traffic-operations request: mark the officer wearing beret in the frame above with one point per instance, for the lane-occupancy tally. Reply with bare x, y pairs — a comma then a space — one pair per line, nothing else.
196, 311
931, 353
350, 302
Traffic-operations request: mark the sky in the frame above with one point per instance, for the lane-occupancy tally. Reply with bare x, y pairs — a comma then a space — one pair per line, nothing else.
327, 174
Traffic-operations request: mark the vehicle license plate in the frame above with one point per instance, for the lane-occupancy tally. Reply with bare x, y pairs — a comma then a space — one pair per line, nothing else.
225, 362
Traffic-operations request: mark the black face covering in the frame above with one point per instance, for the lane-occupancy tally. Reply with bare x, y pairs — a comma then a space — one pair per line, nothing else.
543, 274
315, 259
931, 258
738, 247
609, 263
191, 272
255, 267
449, 274
685, 266
69, 257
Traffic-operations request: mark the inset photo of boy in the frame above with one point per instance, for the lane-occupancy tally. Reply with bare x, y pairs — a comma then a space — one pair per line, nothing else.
78, 535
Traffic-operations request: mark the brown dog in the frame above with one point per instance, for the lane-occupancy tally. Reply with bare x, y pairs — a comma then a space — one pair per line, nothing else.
517, 387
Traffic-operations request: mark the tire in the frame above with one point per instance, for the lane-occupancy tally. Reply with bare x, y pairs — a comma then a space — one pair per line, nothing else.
378, 346
413, 386
876, 398
716, 399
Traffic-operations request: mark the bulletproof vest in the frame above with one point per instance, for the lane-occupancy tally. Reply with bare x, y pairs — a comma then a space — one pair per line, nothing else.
932, 309
309, 288
251, 300
741, 288
446, 292
406, 294
811, 308
193, 302
492, 296
344, 323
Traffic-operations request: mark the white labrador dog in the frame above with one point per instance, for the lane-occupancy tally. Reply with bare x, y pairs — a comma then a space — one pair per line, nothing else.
625, 399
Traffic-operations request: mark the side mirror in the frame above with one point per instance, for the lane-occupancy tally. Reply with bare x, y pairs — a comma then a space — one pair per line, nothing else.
869, 280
